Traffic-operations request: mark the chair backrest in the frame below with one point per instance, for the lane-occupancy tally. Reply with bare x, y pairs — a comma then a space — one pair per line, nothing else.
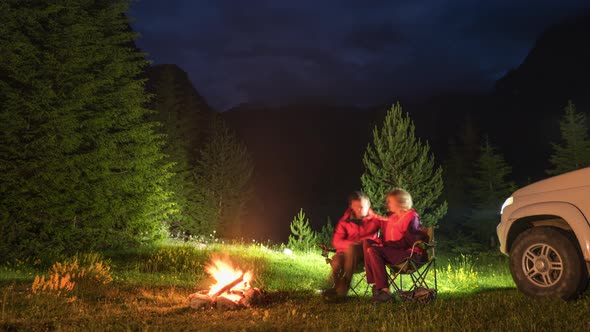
430, 241
430, 233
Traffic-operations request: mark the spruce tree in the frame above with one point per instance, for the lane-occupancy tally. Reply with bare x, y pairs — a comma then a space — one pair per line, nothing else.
489, 187
455, 172
326, 234
457, 169
573, 152
397, 158
80, 167
180, 125
302, 237
223, 175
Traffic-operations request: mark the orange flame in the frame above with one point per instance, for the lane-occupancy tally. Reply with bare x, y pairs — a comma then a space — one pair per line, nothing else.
224, 273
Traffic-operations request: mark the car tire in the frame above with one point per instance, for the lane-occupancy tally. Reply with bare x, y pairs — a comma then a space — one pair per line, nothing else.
546, 262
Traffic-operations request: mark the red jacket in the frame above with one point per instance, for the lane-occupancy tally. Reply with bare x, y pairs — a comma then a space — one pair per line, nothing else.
348, 231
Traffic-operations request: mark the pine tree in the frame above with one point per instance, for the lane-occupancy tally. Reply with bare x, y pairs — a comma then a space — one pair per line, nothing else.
223, 176
396, 158
180, 108
80, 167
489, 188
180, 125
457, 169
574, 151
302, 237
326, 233
455, 172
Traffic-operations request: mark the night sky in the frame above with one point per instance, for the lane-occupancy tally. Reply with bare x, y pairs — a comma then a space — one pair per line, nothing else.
342, 52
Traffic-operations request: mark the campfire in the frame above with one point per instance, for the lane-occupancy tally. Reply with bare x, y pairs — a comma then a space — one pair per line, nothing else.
231, 288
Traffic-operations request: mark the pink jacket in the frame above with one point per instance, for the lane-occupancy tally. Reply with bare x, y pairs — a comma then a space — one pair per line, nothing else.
400, 232
348, 231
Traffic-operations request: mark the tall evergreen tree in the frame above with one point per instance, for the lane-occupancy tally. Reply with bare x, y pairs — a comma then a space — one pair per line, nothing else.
455, 172
80, 167
183, 112
457, 169
573, 152
489, 188
396, 158
182, 124
223, 176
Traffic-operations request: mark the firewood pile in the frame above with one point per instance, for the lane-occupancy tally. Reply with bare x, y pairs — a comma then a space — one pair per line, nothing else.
232, 289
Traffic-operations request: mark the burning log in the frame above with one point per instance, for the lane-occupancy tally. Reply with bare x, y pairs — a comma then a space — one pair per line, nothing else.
228, 287
226, 304
231, 289
251, 297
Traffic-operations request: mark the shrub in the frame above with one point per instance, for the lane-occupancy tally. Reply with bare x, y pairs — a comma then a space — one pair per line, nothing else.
175, 259
461, 244
326, 233
302, 237
461, 274
82, 272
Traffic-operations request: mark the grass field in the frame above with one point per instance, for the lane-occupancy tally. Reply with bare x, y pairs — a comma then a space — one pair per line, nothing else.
149, 290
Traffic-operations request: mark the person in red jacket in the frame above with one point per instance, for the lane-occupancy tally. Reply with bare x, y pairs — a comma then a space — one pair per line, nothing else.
348, 242
398, 234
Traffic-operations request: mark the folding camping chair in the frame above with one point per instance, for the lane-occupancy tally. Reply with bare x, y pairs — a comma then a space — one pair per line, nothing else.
355, 285
416, 267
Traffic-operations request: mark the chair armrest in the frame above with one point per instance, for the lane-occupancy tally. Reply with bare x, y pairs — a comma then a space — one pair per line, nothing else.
325, 249
422, 245
414, 247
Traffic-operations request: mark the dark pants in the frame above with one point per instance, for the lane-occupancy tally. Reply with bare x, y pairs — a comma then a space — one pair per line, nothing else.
376, 257
344, 265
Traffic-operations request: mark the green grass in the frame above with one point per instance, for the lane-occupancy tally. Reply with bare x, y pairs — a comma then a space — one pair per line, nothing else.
151, 285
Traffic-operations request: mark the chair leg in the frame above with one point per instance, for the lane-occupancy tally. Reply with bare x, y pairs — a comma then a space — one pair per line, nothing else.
394, 284
422, 276
367, 287
435, 281
417, 278
421, 279
392, 276
354, 287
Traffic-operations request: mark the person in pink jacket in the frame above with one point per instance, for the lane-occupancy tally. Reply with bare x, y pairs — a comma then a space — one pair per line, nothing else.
398, 234
348, 242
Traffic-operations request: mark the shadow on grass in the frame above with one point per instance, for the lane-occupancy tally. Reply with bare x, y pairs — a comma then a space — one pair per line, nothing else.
465, 294
277, 297
179, 311
27, 326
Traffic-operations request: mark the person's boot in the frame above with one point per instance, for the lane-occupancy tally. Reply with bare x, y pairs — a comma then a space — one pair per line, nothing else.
374, 290
342, 288
382, 296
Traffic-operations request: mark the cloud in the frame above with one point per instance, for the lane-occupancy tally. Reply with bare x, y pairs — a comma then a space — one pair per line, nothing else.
374, 37
341, 51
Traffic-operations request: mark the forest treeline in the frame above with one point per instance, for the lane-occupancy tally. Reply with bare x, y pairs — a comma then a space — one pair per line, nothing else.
101, 151
90, 160
478, 178
462, 195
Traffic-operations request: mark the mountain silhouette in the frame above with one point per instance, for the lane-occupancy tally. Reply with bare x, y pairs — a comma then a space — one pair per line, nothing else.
310, 156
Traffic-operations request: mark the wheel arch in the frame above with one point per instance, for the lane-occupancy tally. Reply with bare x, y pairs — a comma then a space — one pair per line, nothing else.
551, 214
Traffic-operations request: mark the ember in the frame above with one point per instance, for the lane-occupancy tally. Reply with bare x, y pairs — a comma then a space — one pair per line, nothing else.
231, 289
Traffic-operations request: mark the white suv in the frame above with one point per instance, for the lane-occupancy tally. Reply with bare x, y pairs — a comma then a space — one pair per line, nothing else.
545, 230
